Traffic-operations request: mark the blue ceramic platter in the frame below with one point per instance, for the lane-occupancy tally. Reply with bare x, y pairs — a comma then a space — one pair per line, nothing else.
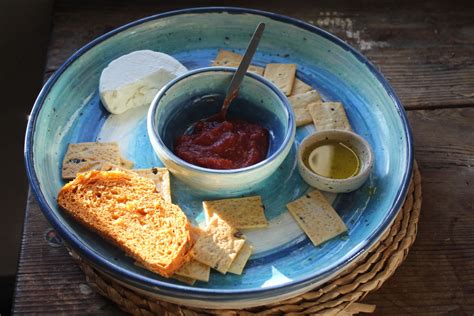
285, 262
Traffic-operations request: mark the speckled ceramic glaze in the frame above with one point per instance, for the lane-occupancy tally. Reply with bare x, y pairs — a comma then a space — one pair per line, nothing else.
285, 262
356, 143
199, 95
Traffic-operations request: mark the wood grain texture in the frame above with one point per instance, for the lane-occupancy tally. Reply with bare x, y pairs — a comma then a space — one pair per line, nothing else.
438, 276
426, 51
48, 279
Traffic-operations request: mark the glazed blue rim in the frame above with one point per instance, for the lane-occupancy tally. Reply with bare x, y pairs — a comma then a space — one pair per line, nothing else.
289, 132
201, 293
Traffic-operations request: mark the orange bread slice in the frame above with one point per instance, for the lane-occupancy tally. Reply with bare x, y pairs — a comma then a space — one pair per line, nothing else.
127, 210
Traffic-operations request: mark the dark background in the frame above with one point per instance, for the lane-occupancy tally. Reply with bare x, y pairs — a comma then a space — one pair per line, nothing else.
24, 29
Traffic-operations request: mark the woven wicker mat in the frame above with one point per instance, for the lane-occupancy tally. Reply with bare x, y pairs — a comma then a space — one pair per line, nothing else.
339, 296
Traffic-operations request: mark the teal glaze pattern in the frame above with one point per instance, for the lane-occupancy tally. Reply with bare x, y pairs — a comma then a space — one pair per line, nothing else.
68, 110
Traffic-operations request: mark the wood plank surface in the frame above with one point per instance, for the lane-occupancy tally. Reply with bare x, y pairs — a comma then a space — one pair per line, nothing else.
49, 281
426, 51
438, 276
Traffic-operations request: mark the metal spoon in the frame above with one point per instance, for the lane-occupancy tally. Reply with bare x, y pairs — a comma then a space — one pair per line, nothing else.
234, 86
233, 90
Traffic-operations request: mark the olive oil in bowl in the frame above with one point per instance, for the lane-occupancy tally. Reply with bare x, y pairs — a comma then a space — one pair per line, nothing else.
336, 161
332, 159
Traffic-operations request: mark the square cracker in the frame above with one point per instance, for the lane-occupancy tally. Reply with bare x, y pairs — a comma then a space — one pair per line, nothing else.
303, 99
188, 281
328, 115
82, 157
316, 217
282, 75
108, 167
195, 270
161, 177
300, 87
218, 245
125, 163
299, 103
302, 116
230, 59
240, 213
241, 260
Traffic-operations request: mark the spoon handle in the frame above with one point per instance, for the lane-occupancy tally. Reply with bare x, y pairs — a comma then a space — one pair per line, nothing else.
242, 69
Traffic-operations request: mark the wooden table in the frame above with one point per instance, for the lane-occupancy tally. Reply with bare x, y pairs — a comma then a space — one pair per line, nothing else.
427, 54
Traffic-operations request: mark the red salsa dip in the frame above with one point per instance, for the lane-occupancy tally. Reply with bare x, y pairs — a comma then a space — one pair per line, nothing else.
228, 144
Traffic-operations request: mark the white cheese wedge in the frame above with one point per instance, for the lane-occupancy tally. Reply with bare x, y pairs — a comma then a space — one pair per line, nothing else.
134, 79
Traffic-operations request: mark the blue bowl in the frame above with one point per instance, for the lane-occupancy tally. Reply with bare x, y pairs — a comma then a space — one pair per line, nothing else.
199, 94
285, 263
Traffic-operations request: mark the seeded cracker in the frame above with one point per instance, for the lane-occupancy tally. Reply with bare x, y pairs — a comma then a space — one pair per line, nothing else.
125, 163
184, 279
282, 75
299, 103
316, 217
161, 177
229, 59
218, 245
195, 270
329, 115
300, 87
237, 267
188, 281
240, 213
303, 99
108, 167
302, 116
84, 157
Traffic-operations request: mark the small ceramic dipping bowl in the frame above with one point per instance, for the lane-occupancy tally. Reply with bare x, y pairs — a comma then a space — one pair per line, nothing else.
200, 94
350, 139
